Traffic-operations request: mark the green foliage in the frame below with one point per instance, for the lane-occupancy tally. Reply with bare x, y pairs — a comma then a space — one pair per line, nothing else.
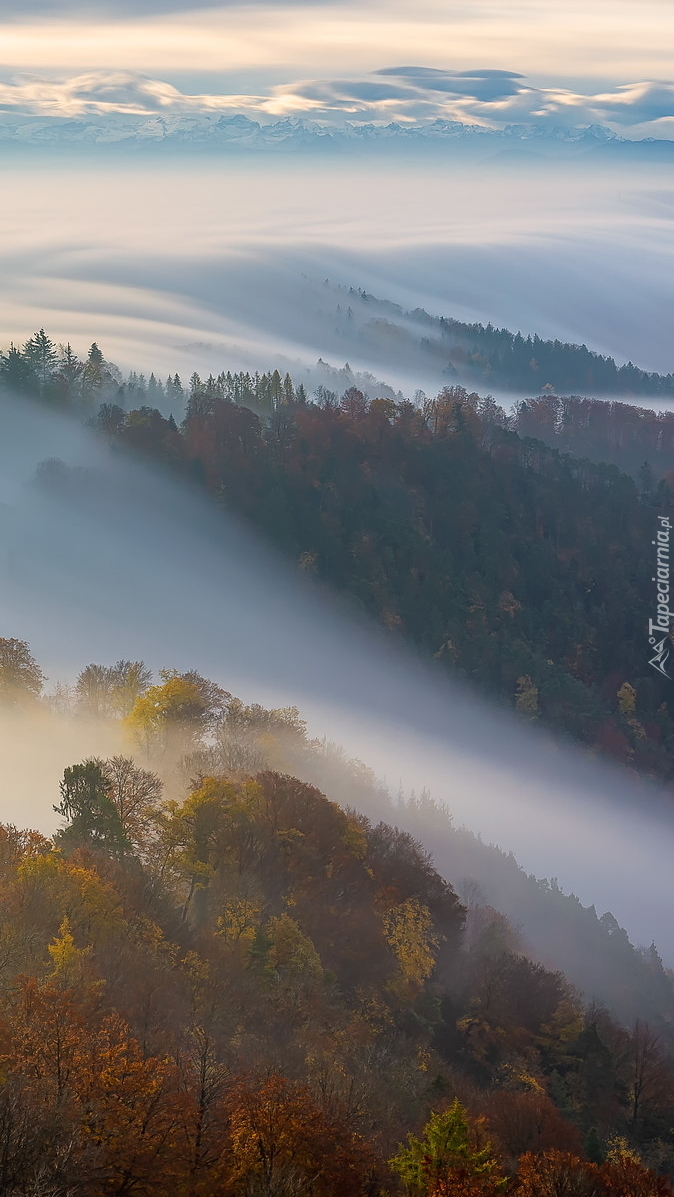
447, 1148
87, 805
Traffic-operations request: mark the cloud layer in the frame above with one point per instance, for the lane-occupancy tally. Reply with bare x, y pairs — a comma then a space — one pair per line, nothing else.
490, 99
113, 8
486, 97
603, 41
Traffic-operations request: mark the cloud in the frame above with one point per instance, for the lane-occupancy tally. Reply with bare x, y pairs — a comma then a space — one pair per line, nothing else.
110, 92
123, 9
488, 98
636, 103
608, 40
480, 85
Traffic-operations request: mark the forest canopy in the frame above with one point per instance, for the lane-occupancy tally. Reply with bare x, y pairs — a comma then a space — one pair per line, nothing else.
218, 981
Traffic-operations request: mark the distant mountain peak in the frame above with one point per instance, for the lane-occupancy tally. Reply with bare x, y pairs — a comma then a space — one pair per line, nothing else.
214, 129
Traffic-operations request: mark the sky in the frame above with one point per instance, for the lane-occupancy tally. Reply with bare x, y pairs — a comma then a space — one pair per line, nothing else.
490, 62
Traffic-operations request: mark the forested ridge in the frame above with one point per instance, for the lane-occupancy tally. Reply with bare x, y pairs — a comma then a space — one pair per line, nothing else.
499, 357
216, 981
518, 567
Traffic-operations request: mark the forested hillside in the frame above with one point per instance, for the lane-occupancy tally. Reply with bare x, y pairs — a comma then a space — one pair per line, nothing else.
640, 441
526, 572
498, 357
521, 569
216, 981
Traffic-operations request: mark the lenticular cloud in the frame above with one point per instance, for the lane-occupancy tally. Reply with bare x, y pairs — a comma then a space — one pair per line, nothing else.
492, 99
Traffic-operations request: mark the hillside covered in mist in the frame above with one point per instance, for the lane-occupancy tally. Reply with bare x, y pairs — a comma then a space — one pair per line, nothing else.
350, 323
518, 567
521, 569
216, 978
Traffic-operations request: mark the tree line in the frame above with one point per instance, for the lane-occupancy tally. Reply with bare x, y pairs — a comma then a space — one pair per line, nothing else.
498, 357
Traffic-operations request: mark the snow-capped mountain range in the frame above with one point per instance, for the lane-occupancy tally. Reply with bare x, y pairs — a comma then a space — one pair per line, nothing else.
218, 131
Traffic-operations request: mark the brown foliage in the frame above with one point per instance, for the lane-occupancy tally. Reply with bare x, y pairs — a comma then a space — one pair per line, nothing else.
529, 1122
282, 1143
561, 1174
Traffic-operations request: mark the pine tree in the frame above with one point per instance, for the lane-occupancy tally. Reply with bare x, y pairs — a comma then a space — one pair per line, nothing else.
87, 804
40, 352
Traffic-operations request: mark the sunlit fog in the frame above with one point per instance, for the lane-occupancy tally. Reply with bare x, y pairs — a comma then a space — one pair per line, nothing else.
190, 263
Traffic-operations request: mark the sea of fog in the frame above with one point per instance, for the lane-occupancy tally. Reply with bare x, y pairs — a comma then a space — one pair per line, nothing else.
183, 263
120, 562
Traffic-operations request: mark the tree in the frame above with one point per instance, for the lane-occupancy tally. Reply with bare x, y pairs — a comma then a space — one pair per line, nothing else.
627, 700
526, 700
173, 713
135, 793
448, 1156
624, 1175
354, 404
110, 1111
97, 373
646, 481
107, 690
21, 679
556, 1173
17, 374
129, 679
40, 352
282, 1144
246, 735
175, 393
213, 826
111, 419
215, 700
529, 1121
67, 959
68, 376
288, 390
293, 958
650, 1080
93, 690
205, 1079
92, 373
87, 804
408, 928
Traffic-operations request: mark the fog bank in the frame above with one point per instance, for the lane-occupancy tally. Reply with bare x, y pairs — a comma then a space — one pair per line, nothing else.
116, 562
187, 263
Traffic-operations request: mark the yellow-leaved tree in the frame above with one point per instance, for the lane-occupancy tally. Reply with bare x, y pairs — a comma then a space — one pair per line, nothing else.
167, 715
408, 929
